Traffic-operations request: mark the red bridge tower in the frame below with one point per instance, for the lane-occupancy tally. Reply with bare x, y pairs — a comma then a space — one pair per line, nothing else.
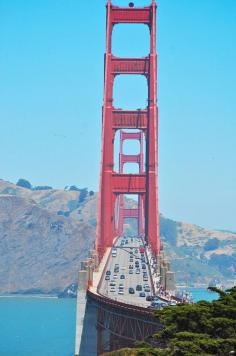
112, 184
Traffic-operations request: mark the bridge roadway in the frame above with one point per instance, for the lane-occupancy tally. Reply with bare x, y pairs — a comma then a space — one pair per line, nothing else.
111, 287
107, 320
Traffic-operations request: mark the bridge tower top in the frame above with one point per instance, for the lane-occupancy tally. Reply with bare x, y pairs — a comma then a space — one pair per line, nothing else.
113, 184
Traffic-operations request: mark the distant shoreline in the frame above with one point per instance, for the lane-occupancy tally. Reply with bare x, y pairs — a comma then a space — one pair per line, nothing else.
36, 296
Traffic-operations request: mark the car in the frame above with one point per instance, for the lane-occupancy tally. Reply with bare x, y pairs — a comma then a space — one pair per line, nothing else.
112, 289
114, 252
137, 271
145, 278
159, 304
131, 290
146, 285
136, 250
108, 273
143, 266
131, 266
122, 276
107, 278
121, 286
131, 271
142, 294
148, 298
139, 288
120, 291
115, 276
123, 268
112, 283
147, 289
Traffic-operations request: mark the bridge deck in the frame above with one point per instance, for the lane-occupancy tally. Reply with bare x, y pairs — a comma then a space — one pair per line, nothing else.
111, 287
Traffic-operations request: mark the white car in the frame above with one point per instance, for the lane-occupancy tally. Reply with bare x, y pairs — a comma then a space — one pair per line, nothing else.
115, 276
137, 271
123, 268
112, 289
121, 291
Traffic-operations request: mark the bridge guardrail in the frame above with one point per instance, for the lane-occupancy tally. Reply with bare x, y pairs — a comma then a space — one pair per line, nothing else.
115, 303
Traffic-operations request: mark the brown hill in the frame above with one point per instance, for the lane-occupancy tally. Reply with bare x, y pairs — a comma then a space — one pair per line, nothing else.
44, 234
39, 250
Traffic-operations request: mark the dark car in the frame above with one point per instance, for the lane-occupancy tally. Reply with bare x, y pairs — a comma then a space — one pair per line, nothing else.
149, 298
108, 273
131, 290
122, 276
139, 288
142, 294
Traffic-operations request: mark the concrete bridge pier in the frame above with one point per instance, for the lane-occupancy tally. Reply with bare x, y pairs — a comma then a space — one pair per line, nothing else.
86, 322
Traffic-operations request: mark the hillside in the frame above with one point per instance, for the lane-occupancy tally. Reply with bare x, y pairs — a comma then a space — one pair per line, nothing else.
45, 233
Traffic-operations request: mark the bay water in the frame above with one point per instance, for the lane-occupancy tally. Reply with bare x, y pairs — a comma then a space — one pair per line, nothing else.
46, 326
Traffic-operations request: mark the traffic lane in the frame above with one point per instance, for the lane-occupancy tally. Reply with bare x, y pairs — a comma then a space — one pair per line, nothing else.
131, 280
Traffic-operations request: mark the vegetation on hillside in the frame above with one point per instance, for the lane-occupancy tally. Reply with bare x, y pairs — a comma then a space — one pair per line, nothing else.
204, 328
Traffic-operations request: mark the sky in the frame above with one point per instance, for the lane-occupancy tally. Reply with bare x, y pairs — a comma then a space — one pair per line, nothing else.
51, 93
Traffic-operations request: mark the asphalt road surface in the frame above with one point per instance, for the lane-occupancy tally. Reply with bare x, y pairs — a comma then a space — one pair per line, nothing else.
118, 288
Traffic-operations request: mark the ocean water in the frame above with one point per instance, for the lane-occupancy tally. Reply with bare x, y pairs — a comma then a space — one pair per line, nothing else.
46, 326
37, 326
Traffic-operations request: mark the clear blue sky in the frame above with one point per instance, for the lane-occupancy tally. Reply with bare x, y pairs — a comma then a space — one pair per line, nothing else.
51, 90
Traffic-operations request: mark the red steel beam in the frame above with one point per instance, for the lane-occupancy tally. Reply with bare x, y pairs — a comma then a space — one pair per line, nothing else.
130, 15
131, 213
129, 119
129, 183
130, 65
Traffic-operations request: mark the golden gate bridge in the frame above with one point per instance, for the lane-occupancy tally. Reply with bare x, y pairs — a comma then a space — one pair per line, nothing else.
125, 275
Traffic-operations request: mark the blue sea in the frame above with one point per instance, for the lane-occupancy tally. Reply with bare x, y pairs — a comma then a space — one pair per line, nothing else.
46, 326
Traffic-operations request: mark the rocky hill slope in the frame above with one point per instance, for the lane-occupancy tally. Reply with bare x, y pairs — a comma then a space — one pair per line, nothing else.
45, 233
